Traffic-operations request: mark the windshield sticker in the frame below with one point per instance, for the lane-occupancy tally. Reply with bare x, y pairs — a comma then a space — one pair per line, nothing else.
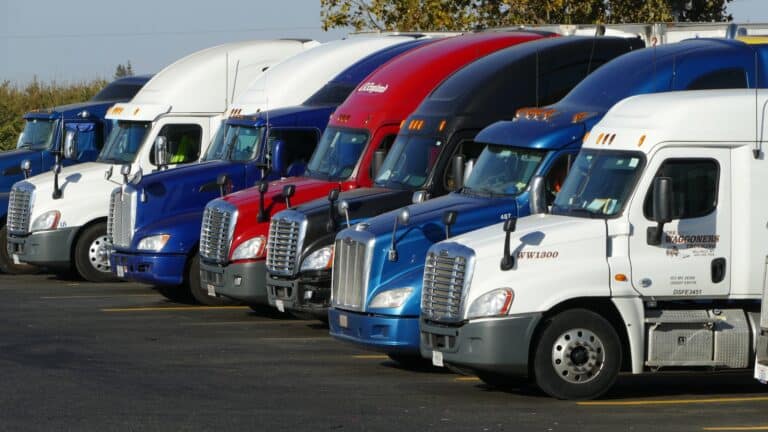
372, 87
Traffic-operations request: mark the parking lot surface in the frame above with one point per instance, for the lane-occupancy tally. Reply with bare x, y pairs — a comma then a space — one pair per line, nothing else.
81, 356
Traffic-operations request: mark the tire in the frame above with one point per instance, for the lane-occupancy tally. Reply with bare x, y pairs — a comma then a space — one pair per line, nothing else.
493, 379
577, 355
91, 261
409, 361
6, 261
200, 295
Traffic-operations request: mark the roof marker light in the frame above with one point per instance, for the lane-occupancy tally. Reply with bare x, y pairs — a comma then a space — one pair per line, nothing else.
599, 138
613, 137
641, 141
586, 137
136, 111
442, 126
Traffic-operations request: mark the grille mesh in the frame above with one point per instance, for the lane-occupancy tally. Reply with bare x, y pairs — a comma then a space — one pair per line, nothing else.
349, 283
215, 232
444, 282
284, 244
120, 219
19, 208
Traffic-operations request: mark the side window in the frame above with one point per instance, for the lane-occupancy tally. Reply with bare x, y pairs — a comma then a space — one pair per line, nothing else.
555, 84
386, 145
183, 143
720, 79
298, 145
471, 151
555, 177
694, 187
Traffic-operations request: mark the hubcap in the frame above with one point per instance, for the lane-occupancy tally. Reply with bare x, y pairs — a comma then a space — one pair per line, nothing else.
98, 254
578, 356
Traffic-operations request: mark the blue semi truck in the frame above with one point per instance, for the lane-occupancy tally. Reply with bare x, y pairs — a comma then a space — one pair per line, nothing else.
162, 212
522, 166
41, 138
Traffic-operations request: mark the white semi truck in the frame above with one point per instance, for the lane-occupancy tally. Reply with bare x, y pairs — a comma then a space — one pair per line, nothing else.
58, 219
652, 257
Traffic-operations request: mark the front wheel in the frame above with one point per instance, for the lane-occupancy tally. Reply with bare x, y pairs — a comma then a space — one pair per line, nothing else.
91, 254
578, 355
7, 265
196, 289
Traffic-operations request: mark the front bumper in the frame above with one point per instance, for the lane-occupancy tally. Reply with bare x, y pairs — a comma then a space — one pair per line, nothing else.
309, 295
243, 281
499, 345
384, 333
45, 248
156, 269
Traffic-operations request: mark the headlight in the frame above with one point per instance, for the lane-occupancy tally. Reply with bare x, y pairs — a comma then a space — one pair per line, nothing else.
154, 243
493, 303
250, 249
46, 221
392, 298
319, 260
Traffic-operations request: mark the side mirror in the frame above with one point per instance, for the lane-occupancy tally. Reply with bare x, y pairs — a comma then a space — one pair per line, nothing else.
468, 167
344, 210
419, 197
458, 172
507, 260
162, 155
402, 218
288, 191
537, 196
125, 170
26, 168
56, 189
278, 157
449, 218
333, 196
57, 168
223, 182
70, 145
20, 141
263, 187
662, 209
378, 161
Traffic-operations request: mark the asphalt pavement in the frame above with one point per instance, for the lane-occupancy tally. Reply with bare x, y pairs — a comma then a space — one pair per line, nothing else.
81, 356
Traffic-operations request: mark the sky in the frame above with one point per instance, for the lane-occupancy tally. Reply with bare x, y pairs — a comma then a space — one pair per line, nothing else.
86, 39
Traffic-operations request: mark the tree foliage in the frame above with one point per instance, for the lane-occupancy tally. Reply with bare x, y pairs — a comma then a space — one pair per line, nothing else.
16, 100
441, 15
123, 70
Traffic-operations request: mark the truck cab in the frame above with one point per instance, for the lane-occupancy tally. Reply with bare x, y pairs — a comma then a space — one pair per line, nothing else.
368, 121
651, 259
155, 223
41, 138
442, 129
61, 215
532, 151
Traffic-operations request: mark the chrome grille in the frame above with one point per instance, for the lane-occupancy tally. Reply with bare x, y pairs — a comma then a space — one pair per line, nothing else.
286, 238
351, 267
447, 272
216, 231
20, 207
121, 218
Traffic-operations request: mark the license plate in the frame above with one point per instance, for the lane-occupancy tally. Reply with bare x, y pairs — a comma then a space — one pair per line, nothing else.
761, 372
343, 321
211, 290
16, 259
437, 359
120, 271
280, 305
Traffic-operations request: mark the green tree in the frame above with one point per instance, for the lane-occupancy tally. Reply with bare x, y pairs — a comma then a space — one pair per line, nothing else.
437, 15
123, 70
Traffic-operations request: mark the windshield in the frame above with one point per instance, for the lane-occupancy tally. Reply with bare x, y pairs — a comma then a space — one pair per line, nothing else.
235, 143
599, 183
337, 154
409, 162
503, 170
124, 142
38, 134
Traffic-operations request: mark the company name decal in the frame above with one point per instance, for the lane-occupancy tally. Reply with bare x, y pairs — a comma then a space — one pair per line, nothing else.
693, 240
372, 87
537, 254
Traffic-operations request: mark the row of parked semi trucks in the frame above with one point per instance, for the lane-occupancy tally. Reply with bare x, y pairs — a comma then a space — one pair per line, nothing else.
527, 204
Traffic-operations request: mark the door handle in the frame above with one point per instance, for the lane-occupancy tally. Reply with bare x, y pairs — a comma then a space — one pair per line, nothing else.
718, 270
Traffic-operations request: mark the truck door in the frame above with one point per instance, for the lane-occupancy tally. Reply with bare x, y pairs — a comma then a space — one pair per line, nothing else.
693, 259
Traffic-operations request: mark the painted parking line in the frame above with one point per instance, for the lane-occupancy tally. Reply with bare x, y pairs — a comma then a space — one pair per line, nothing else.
371, 356
467, 379
66, 297
289, 339
174, 308
252, 322
736, 428
675, 401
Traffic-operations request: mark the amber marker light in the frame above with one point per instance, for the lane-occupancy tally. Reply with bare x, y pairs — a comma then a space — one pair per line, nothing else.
599, 138
620, 277
641, 141
442, 126
586, 137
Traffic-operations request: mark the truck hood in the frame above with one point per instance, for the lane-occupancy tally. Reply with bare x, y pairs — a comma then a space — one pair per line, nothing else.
556, 258
10, 167
424, 229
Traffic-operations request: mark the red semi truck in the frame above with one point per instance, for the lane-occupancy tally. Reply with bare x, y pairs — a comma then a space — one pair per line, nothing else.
235, 228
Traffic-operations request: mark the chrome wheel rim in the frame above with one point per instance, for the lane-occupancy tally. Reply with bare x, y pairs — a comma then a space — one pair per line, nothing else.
98, 254
578, 356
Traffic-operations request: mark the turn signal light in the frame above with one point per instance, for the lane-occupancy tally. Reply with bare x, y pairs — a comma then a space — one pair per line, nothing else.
620, 277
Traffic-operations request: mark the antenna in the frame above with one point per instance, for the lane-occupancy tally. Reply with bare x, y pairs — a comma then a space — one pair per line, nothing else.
757, 150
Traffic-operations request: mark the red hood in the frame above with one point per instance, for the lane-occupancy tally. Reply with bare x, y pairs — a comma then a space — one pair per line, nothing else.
247, 203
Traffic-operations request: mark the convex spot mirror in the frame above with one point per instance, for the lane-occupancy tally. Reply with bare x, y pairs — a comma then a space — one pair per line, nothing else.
70, 145
162, 155
537, 199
